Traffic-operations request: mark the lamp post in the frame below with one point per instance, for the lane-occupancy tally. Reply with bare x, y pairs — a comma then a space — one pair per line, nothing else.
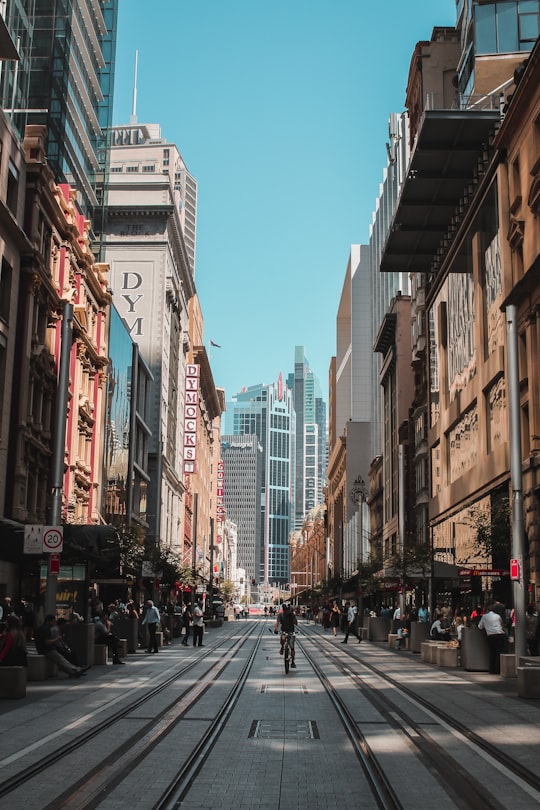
358, 496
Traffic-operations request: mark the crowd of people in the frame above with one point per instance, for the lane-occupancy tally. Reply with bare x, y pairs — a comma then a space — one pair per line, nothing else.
20, 626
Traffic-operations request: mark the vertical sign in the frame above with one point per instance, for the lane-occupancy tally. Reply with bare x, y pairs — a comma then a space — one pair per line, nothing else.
220, 498
191, 413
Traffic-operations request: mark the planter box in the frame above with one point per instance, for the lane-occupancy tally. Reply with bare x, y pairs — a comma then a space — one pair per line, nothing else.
378, 629
80, 637
419, 633
474, 650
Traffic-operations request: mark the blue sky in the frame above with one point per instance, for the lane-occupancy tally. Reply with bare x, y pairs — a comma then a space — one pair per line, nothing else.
280, 110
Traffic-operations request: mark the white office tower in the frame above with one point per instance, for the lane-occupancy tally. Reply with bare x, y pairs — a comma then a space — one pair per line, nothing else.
150, 246
242, 481
365, 298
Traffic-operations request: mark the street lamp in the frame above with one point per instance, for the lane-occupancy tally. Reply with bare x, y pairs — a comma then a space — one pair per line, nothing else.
358, 495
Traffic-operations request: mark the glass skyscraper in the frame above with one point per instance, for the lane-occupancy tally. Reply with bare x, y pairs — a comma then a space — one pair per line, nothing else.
266, 411
311, 437
65, 80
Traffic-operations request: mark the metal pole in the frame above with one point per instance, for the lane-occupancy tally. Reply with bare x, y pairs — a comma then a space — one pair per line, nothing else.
59, 446
194, 549
211, 575
401, 524
516, 473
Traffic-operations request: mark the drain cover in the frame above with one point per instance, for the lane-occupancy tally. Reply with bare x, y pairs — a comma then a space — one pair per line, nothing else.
287, 730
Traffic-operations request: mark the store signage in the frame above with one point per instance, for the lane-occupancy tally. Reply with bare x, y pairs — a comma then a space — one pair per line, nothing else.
191, 416
220, 496
482, 572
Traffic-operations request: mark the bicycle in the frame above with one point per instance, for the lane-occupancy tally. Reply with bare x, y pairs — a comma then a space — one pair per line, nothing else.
287, 645
287, 651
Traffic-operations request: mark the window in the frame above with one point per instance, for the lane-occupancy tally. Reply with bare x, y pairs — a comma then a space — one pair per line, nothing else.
5, 290
132, 169
13, 188
506, 27
149, 168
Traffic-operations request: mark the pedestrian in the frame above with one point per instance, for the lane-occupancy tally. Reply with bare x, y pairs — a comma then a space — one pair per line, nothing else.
352, 611
492, 623
422, 613
438, 632
477, 614
325, 619
6, 609
335, 618
198, 625
49, 643
104, 635
13, 649
152, 619
186, 621
531, 630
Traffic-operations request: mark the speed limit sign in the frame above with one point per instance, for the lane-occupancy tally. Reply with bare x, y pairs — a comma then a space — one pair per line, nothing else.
53, 539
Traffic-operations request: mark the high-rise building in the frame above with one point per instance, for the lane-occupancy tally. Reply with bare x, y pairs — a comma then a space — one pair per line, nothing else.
311, 438
267, 412
152, 281
64, 80
243, 471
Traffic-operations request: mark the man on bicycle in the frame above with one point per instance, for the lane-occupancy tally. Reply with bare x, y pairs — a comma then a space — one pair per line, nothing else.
287, 621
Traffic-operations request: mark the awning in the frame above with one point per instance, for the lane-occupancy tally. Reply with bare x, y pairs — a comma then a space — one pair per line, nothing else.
442, 165
8, 51
442, 570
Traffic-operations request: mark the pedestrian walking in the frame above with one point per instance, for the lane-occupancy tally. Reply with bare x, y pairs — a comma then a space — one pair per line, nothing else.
198, 625
186, 621
152, 619
335, 618
352, 611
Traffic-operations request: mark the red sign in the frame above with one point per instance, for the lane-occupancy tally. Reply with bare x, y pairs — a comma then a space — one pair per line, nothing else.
514, 570
54, 564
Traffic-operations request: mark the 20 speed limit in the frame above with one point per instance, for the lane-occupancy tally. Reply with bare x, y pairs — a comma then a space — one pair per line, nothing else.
53, 539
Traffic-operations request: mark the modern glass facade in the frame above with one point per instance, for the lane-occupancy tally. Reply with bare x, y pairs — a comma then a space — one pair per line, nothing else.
311, 439
488, 29
243, 462
267, 412
65, 80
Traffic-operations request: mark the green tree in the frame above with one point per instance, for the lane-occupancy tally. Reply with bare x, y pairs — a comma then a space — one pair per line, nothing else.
490, 523
227, 590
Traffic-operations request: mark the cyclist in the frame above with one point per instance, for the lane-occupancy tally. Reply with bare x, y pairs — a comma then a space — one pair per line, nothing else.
287, 621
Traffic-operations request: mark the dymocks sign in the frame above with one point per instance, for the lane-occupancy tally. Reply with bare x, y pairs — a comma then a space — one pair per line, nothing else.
191, 413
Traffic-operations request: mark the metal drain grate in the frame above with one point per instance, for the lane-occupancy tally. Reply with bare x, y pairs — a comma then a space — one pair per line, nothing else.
288, 730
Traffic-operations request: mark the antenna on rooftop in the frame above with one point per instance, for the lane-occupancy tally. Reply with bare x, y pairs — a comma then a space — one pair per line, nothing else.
133, 118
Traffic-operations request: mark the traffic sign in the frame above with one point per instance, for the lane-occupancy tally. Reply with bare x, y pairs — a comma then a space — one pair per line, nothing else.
514, 570
53, 539
33, 539
54, 564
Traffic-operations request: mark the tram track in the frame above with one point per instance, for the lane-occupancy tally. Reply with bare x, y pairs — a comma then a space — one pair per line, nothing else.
466, 790
383, 791
186, 699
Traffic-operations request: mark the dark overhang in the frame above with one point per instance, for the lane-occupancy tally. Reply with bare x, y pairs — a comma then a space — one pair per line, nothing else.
448, 147
8, 51
387, 334
209, 392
